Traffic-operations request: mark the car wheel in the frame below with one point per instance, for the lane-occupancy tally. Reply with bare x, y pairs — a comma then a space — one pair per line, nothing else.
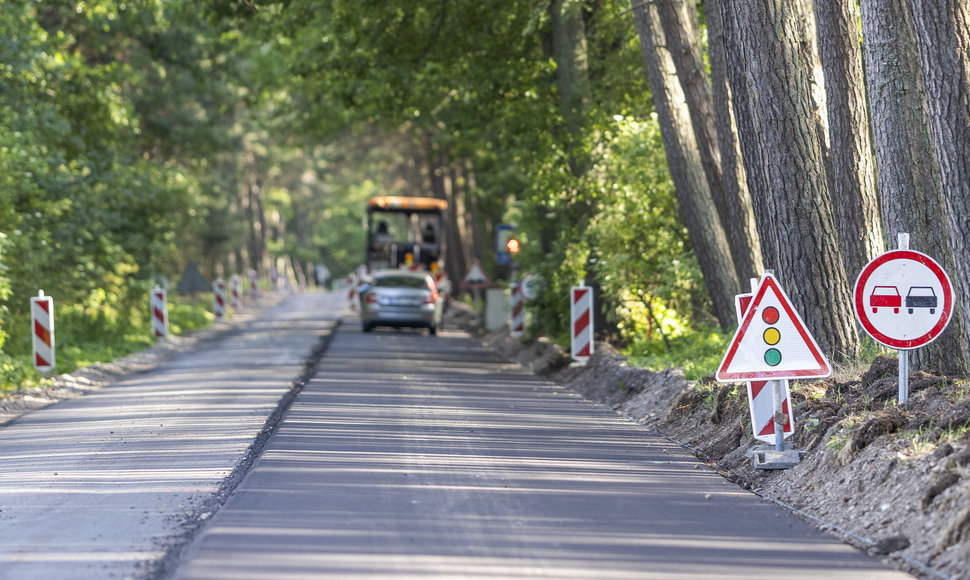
433, 330
368, 327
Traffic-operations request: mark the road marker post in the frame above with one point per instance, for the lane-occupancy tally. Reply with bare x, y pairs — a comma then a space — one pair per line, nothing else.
219, 299
235, 292
42, 325
159, 308
517, 310
581, 323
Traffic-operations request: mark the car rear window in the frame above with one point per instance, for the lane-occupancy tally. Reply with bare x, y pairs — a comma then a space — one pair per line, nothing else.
400, 282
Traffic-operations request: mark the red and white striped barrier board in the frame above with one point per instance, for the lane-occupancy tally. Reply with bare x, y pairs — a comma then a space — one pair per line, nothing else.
762, 407
516, 310
235, 292
159, 304
581, 322
42, 325
219, 298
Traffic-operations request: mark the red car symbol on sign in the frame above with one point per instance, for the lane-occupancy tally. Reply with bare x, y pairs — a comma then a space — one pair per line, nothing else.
885, 297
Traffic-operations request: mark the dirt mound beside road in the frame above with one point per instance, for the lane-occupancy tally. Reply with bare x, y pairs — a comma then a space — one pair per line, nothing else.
893, 480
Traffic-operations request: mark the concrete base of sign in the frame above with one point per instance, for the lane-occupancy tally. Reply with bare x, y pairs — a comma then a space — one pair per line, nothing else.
767, 457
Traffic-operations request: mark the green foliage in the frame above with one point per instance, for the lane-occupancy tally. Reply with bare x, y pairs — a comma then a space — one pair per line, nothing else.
135, 136
697, 351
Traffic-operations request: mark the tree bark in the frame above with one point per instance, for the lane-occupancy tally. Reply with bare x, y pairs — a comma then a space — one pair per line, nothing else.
572, 72
784, 151
696, 206
851, 171
943, 38
678, 19
909, 185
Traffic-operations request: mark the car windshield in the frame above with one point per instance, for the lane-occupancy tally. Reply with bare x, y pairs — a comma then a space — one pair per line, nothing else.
400, 282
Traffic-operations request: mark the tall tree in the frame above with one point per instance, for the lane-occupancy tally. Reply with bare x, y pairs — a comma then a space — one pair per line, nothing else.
738, 217
693, 194
943, 38
678, 19
909, 183
791, 201
572, 74
851, 170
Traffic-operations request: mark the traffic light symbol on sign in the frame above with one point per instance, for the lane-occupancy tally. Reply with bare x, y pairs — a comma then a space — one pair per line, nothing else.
772, 336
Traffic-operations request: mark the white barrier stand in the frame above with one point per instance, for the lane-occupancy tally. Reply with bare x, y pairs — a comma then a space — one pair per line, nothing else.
219, 300
517, 311
581, 323
42, 325
159, 307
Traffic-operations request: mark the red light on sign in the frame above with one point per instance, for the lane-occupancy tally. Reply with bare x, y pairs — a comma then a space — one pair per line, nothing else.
513, 246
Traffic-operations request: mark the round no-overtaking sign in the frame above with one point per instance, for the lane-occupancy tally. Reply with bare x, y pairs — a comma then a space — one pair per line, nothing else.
903, 299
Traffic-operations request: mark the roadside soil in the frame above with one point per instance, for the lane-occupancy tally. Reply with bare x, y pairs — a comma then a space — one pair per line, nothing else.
892, 480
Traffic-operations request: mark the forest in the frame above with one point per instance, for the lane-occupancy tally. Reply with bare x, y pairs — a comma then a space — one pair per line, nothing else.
663, 152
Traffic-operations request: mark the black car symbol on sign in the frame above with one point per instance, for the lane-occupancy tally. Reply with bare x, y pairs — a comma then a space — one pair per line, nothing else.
921, 297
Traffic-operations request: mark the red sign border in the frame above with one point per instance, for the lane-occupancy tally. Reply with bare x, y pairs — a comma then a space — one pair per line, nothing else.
465, 284
823, 370
946, 312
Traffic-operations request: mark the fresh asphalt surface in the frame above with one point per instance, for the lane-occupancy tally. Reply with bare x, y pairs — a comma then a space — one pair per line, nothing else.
412, 456
405, 455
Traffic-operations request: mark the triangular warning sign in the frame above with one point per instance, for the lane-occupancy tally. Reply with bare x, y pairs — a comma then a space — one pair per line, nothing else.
475, 278
772, 342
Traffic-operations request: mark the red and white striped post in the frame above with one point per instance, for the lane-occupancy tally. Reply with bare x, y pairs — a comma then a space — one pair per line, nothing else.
219, 299
253, 284
581, 322
159, 304
352, 291
516, 310
42, 323
235, 292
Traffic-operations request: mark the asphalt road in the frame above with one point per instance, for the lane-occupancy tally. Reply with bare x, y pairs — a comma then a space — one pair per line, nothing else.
411, 456
105, 485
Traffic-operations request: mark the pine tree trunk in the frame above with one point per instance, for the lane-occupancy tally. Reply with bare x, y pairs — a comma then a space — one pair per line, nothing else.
783, 150
851, 171
943, 38
678, 19
738, 219
572, 72
696, 206
909, 184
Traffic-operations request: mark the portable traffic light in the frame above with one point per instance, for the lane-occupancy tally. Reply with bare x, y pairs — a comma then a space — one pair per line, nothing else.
513, 246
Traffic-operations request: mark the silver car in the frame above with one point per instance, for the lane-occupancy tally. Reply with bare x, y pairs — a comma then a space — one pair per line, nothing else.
401, 298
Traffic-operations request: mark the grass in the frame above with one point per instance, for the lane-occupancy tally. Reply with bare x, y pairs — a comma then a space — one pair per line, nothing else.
841, 437
698, 352
81, 340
